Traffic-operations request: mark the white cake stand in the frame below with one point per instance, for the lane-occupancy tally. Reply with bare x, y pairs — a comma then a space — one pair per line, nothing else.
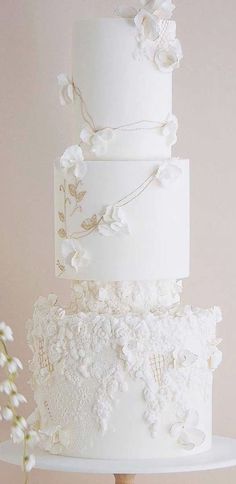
222, 455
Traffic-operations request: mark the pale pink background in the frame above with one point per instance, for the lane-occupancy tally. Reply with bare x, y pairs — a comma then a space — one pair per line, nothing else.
35, 41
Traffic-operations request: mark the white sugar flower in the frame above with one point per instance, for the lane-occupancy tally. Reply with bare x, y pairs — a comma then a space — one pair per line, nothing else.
169, 129
17, 399
186, 433
5, 332
7, 414
13, 365
215, 359
168, 58
74, 254
7, 387
29, 462
168, 173
96, 140
32, 438
217, 314
163, 9
72, 162
3, 360
66, 89
113, 222
185, 358
147, 25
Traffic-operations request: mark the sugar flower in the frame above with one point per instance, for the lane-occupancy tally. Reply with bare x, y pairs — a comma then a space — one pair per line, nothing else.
74, 254
169, 129
168, 173
215, 359
72, 162
186, 433
168, 58
163, 9
185, 358
113, 222
147, 25
66, 89
96, 140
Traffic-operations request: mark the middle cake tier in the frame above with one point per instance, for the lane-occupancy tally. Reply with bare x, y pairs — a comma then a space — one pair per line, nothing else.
123, 221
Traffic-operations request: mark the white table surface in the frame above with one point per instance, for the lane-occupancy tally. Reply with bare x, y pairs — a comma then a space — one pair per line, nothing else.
222, 455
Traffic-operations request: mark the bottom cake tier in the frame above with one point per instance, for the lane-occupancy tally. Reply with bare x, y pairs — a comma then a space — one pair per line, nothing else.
132, 385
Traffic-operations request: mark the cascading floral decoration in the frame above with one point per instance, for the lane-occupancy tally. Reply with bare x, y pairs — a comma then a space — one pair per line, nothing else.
10, 400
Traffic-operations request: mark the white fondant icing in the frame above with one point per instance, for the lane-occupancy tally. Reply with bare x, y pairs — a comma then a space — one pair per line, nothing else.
119, 90
158, 244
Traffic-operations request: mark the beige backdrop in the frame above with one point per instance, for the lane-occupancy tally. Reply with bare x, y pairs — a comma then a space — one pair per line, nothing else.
35, 39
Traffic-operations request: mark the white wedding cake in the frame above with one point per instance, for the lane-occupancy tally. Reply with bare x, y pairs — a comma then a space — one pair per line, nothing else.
124, 371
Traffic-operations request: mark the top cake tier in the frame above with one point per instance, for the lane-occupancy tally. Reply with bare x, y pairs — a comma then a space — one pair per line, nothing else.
123, 82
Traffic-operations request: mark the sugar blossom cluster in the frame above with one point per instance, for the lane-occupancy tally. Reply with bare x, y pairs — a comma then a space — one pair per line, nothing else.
155, 37
11, 399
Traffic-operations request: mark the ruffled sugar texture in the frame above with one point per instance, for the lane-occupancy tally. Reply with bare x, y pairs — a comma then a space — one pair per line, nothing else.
124, 297
84, 361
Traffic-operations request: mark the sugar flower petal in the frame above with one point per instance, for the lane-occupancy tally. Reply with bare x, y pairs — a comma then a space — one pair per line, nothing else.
74, 254
66, 89
113, 222
168, 58
72, 162
147, 25
168, 173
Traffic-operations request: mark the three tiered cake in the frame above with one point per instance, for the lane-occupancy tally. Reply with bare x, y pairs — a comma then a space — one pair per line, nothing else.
124, 371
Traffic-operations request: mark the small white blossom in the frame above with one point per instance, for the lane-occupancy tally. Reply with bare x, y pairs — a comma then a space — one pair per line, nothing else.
163, 9
5, 332
66, 89
72, 162
169, 129
7, 387
3, 360
186, 432
74, 254
184, 358
17, 399
7, 414
168, 58
29, 462
215, 359
96, 140
168, 173
147, 25
13, 365
113, 222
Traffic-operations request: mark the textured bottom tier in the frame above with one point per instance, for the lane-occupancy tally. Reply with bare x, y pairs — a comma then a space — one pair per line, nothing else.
136, 385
